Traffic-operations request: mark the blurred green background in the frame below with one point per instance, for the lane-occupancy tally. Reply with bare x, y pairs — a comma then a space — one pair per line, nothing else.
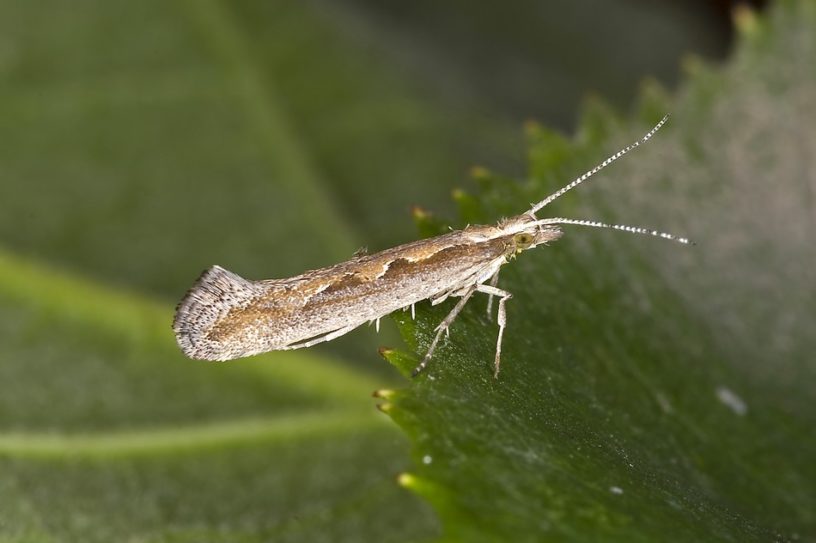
142, 142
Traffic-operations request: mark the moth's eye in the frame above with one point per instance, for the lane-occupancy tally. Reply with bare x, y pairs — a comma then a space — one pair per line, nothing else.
523, 240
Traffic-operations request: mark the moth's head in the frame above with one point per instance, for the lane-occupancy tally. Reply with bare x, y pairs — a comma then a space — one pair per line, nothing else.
525, 234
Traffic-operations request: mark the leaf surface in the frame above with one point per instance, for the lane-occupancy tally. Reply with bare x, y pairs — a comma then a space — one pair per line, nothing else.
649, 391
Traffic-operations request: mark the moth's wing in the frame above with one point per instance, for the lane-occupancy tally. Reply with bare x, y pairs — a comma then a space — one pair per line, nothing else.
212, 297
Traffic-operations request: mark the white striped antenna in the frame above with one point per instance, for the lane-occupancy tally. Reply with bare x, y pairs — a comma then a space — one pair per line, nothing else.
557, 194
622, 227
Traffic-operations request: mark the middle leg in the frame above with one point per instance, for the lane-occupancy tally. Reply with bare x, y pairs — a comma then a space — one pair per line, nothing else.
493, 282
442, 328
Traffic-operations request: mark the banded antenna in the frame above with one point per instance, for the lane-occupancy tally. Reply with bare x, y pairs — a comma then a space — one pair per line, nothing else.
560, 192
622, 227
597, 224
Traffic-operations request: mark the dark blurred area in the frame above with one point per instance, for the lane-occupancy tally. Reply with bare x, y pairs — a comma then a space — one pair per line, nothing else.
535, 59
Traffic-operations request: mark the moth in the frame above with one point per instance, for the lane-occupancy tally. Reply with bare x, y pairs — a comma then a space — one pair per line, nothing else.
224, 316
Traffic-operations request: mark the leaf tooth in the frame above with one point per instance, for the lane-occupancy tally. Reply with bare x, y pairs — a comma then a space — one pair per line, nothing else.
384, 393
385, 407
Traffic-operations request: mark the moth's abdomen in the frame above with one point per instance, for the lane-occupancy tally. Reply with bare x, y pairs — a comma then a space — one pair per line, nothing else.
213, 296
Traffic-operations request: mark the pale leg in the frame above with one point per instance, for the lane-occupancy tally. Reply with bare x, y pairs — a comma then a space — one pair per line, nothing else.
493, 282
326, 337
443, 326
502, 318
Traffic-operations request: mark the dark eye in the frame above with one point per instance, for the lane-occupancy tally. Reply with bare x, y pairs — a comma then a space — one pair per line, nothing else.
524, 239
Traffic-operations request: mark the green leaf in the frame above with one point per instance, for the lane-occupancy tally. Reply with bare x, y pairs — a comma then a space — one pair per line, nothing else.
649, 391
143, 141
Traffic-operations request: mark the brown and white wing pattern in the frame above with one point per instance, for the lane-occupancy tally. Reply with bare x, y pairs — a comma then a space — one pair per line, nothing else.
225, 316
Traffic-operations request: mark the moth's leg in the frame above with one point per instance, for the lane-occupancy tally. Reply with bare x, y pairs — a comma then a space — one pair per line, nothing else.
502, 318
493, 282
320, 339
455, 291
441, 297
443, 326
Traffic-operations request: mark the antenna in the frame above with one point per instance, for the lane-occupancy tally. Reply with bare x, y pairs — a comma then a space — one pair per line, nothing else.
557, 194
622, 227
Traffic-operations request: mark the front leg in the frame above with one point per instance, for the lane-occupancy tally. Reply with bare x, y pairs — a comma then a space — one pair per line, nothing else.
502, 318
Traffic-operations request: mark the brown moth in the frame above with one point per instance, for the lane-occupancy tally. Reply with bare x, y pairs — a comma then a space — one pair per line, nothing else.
225, 316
